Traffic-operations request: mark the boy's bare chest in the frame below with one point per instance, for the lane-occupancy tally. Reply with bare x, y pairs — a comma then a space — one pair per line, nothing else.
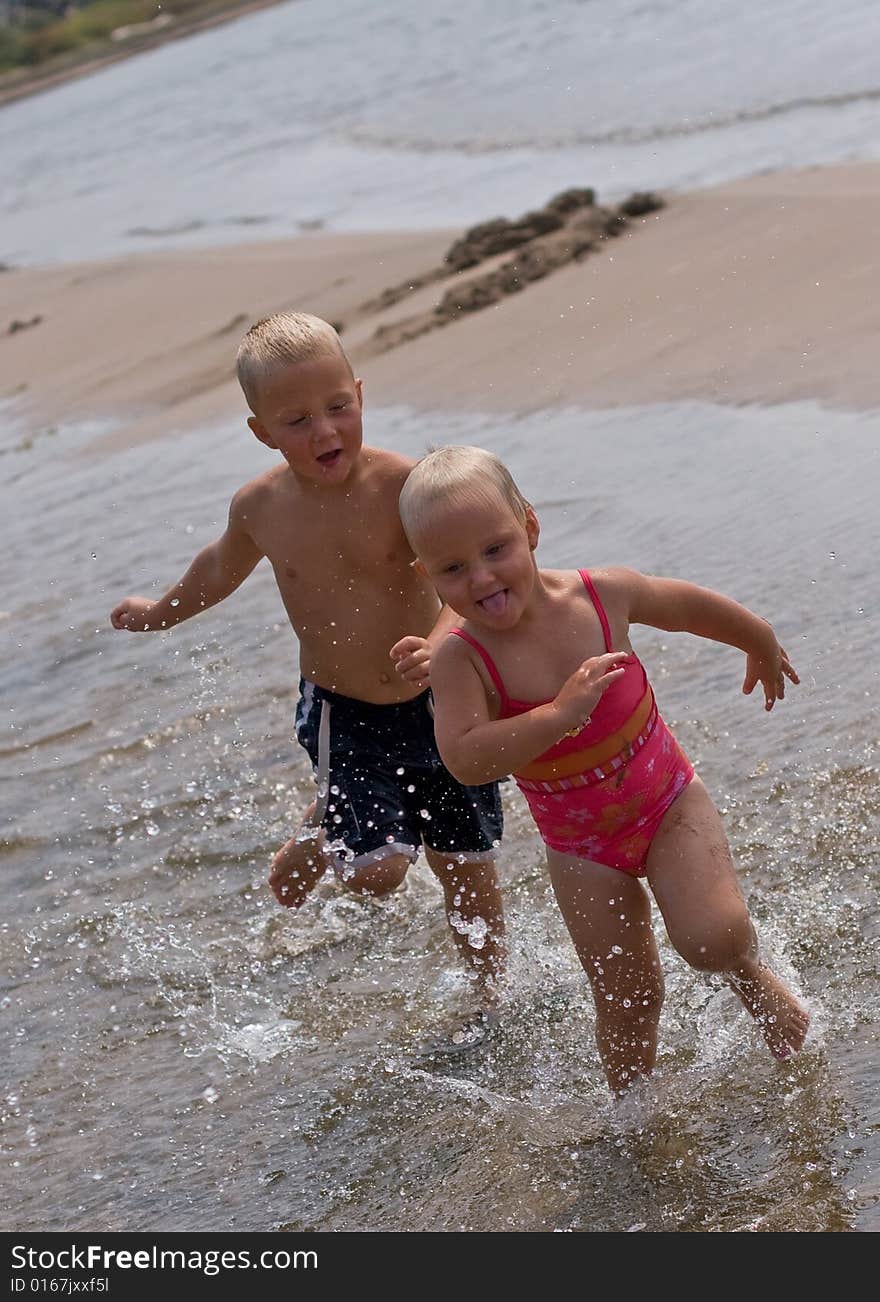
330, 552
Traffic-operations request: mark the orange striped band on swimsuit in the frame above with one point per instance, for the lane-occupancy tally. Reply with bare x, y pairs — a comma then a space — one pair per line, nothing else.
589, 776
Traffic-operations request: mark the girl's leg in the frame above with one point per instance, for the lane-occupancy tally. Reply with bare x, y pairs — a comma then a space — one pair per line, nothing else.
694, 883
608, 915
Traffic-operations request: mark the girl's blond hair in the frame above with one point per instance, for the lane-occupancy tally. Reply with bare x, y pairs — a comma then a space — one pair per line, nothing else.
455, 472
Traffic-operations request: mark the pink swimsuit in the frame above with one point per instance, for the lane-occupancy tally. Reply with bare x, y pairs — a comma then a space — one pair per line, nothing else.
603, 793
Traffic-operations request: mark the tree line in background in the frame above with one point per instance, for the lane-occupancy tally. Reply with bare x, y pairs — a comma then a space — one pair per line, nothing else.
35, 32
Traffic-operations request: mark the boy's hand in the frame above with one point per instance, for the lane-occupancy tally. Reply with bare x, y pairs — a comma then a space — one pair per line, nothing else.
770, 669
133, 614
412, 659
583, 691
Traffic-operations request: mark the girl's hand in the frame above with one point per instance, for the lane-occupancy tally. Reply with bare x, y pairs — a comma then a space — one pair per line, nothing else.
584, 690
412, 659
770, 669
133, 614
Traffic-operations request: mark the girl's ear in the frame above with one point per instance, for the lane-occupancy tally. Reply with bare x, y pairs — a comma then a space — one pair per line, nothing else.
533, 529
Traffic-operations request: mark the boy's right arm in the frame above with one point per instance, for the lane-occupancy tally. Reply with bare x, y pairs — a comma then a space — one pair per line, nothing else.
217, 571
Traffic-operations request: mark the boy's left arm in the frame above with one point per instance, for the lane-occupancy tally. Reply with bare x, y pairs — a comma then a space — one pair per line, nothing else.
412, 655
677, 606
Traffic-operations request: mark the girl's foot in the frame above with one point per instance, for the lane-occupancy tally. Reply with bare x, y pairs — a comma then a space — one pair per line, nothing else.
782, 1018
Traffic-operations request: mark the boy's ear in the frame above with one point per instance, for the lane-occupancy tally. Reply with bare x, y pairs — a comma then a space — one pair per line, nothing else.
259, 431
359, 385
533, 529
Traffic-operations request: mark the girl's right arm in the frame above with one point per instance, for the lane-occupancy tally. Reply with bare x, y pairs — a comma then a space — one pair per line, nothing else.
477, 748
217, 571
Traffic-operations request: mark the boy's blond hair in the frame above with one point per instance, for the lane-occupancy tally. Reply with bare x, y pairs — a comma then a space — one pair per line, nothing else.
279, 340
451, 472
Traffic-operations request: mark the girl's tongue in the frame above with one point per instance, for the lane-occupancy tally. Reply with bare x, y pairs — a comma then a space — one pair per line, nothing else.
496, 603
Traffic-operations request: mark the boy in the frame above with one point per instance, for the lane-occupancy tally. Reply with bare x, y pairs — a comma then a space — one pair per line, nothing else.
327, 520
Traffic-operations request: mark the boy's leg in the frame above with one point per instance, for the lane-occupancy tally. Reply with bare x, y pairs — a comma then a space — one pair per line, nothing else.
464, 825
379, 877
475, 915
300, 864
302, 861
694, 882
608, 915
358, 802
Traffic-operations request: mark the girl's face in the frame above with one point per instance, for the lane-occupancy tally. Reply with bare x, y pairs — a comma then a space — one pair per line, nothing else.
478, 555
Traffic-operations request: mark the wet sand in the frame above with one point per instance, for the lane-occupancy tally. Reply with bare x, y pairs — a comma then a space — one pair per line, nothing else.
762, 291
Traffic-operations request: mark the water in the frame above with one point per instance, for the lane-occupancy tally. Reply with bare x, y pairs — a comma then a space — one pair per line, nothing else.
181, 1054
358, 116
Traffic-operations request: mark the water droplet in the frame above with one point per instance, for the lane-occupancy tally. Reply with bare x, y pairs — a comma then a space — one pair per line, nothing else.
175, 601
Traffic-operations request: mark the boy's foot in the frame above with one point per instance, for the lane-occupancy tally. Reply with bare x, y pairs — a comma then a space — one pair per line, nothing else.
297, 868
474, 1030
782, 1018
467, 1035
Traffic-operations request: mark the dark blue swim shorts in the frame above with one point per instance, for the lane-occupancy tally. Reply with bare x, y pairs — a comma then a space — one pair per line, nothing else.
382, 787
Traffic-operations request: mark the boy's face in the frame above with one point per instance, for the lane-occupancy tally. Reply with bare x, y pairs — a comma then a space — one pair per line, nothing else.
311, 413
478, 555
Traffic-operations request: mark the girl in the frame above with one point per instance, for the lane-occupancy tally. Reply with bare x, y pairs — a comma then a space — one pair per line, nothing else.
541, 681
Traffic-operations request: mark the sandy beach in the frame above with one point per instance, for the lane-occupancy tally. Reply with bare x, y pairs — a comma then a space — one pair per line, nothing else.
761, 291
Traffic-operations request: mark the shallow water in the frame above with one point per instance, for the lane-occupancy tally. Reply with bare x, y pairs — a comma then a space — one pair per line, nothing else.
358, 116
179, 1053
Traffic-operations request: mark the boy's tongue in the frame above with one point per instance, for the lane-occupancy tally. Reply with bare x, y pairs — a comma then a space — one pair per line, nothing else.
496, 603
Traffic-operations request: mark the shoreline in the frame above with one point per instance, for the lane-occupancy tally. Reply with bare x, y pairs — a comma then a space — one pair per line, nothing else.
761, 291
71, 67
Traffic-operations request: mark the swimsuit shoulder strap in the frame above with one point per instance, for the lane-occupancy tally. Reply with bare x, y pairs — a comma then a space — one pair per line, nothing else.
600, 609
487, 661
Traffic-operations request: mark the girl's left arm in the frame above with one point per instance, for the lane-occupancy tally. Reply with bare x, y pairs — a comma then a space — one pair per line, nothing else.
680, 607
